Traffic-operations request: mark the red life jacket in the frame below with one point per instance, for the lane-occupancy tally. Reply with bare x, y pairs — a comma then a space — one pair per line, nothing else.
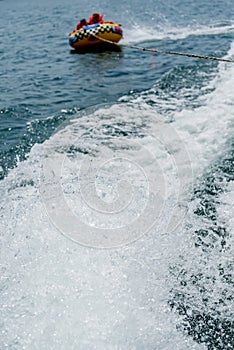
78, 26
92, 22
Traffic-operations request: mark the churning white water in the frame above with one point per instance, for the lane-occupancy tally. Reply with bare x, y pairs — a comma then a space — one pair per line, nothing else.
96, 215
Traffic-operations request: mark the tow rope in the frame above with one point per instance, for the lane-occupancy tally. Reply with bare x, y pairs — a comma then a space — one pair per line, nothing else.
167, 52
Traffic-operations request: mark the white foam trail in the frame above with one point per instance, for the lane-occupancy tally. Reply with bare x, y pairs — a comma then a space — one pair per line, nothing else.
204, 130
209, 126
140, 34
226, 210
56, 294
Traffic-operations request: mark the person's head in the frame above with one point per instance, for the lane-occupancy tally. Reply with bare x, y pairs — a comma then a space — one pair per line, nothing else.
83, 22
96, 17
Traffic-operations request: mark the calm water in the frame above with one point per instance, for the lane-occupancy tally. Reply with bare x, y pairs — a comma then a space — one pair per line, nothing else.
116, 179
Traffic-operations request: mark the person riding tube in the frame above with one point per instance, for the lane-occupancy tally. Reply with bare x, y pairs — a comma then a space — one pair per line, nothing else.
81, 24
95, 18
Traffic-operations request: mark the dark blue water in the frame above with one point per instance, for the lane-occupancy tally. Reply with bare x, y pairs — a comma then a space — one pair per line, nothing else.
154, 133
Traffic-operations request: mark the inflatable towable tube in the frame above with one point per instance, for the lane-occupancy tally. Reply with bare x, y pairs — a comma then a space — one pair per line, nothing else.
87, 36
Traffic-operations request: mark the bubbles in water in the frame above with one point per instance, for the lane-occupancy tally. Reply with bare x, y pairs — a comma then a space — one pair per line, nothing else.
109, 191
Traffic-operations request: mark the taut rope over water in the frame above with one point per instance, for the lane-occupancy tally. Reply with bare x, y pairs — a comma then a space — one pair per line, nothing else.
167, 52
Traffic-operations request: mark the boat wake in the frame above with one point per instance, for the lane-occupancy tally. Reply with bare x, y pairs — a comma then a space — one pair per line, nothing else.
140, 34
102, 225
